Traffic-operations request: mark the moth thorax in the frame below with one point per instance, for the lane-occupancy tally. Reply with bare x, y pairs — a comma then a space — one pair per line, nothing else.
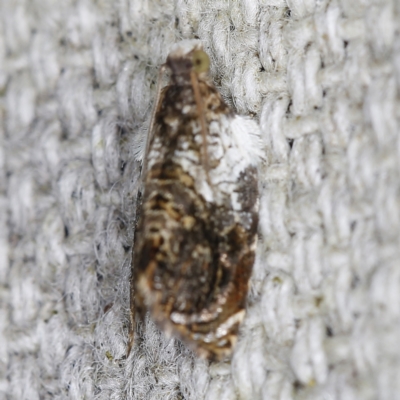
180, 69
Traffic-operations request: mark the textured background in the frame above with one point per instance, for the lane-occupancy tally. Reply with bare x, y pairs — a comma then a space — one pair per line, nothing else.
77, 80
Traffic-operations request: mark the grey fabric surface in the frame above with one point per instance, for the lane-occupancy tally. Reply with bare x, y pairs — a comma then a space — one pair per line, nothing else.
77, 81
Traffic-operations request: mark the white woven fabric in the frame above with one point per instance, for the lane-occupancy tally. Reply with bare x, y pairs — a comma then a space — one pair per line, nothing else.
77, 79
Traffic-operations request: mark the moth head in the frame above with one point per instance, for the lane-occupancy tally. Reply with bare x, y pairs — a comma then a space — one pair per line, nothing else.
186, 57
200, 60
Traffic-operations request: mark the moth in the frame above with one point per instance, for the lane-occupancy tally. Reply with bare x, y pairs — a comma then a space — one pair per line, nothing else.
197, 229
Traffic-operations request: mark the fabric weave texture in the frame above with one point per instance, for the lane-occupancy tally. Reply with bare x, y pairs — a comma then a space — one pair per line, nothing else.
77, 82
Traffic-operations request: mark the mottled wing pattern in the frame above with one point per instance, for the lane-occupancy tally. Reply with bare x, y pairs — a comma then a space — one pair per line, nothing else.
195, 240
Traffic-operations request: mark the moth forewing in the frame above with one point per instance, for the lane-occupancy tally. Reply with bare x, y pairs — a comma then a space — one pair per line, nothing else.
195, 239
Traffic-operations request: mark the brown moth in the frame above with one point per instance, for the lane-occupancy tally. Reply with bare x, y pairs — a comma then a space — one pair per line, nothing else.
196, 235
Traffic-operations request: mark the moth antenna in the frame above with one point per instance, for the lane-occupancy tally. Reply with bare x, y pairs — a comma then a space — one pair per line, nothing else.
200, 110
156, 107
157, 103
131, 335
